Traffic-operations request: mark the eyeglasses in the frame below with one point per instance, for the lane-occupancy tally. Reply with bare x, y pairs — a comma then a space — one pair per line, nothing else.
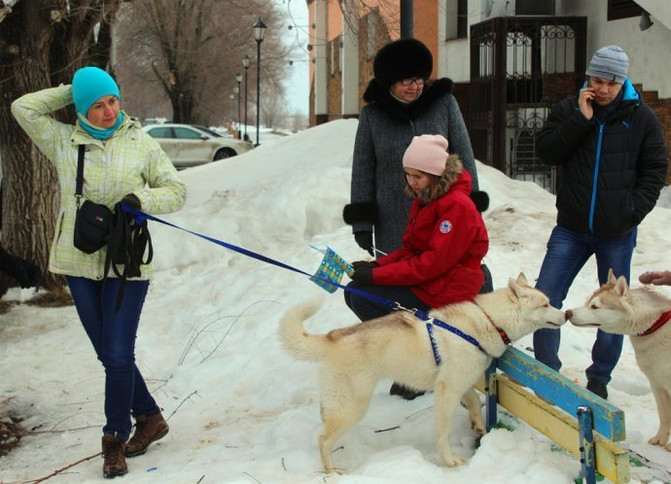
417, 80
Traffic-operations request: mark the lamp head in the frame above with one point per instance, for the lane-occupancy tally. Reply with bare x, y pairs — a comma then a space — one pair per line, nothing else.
245, 61
259, 30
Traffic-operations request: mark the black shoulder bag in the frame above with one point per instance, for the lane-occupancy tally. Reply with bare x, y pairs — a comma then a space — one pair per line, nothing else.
93, 220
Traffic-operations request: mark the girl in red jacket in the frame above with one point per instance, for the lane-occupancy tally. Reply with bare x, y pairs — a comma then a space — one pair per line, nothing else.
443, 244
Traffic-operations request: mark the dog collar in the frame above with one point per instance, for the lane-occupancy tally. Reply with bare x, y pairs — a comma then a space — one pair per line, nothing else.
663, 319
501, 331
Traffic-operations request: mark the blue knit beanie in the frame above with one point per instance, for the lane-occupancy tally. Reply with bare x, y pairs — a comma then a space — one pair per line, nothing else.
610, 62
90, 84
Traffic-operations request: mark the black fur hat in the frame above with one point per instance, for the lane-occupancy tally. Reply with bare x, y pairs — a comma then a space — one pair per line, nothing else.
402, 59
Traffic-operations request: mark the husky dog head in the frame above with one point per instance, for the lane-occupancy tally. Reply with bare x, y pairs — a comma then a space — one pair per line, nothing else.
531, 305
615, 308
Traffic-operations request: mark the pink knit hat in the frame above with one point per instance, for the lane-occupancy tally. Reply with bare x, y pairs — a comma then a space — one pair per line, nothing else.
427, 153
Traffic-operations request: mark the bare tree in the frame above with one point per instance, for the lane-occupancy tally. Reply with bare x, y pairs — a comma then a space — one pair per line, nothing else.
188, 53
354, 10
42, 43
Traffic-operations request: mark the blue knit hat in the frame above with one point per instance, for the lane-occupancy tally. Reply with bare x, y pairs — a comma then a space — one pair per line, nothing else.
90, 84
610, 62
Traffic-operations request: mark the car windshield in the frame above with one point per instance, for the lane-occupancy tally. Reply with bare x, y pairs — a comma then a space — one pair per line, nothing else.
208, 131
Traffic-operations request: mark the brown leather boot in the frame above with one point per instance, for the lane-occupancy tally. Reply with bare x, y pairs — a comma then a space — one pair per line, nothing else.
147, 430
113, 452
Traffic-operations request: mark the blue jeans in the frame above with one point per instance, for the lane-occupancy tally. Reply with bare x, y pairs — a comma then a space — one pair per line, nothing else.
567, 252
113, 335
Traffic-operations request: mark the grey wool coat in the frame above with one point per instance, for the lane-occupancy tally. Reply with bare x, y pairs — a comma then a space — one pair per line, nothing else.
386, 127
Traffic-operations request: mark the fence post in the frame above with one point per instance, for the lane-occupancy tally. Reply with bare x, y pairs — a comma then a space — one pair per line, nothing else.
586, 424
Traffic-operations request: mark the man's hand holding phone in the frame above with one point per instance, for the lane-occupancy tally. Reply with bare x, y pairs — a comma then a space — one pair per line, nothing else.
585, 99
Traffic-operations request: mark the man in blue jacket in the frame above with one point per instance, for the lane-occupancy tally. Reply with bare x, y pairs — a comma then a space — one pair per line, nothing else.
613, 162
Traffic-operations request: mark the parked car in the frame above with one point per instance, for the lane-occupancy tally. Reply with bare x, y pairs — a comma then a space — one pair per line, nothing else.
190, 145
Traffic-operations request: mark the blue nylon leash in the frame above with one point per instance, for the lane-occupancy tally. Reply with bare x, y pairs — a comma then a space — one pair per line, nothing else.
386, 303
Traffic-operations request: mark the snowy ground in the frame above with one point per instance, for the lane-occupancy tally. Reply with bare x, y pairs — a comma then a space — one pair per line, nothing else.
240, 410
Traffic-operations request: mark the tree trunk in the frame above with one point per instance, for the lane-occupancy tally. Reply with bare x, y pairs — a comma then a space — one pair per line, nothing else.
42, 42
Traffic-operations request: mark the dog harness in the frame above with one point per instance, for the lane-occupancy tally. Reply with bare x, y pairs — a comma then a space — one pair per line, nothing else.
431, 322
663, 319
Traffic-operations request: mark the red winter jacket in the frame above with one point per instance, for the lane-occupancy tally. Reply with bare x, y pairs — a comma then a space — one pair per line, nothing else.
443, 246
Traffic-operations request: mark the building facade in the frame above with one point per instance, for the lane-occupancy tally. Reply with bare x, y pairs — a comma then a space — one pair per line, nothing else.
511, 60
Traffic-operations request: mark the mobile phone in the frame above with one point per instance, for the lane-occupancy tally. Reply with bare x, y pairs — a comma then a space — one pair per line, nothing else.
587, 85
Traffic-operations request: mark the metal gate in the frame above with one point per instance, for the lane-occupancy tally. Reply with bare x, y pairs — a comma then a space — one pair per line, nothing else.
520, 67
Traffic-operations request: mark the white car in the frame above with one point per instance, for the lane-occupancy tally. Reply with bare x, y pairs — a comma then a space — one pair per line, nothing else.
190, 145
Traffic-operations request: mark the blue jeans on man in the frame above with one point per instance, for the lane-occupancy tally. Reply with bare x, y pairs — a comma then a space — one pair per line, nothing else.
112, 334
567, 252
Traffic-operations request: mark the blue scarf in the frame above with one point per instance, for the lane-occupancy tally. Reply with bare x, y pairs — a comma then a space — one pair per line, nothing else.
99, 133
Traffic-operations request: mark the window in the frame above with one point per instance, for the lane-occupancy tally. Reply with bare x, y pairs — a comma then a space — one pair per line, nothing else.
186, 133
371, 23
160, 133
456, 16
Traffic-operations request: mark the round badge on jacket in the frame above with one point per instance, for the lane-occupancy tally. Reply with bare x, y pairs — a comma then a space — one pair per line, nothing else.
445, 226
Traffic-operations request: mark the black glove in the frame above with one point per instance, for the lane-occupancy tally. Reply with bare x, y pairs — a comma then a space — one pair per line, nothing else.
364, 239
132, 201
364, 264
33, 275
26, 273
363, 275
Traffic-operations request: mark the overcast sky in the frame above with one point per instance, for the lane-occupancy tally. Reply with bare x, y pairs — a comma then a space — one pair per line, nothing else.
298, 85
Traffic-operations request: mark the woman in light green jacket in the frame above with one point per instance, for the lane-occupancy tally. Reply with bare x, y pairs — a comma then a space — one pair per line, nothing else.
122, 163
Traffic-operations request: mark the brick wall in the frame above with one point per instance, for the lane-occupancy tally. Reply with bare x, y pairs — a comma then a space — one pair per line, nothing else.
662, 108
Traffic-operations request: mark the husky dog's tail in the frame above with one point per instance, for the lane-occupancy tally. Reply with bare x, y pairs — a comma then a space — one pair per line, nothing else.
298, 343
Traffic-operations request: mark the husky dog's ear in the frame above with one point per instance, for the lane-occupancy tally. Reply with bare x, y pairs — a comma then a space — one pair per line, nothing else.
621, 287
522, 279
611, 277
514, 287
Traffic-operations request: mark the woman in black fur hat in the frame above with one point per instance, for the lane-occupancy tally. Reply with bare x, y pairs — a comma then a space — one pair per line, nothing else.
402, 103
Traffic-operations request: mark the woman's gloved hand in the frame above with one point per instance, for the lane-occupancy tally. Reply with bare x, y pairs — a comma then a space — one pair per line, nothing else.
364, 239
132, 201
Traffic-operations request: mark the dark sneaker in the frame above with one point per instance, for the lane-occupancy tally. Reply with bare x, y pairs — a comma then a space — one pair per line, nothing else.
597, 387
113, 453
405, 392
148, 429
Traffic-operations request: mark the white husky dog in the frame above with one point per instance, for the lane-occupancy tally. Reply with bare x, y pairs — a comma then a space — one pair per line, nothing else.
397, 346
642, 314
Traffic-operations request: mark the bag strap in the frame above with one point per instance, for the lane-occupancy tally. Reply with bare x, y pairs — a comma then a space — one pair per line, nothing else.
80, 174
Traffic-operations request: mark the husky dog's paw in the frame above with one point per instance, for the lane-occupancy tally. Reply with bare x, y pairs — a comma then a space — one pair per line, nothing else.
335, 470
661, 440
453, 460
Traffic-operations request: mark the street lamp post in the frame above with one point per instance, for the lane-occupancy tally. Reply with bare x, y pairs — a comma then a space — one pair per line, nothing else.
236, 93
259, 31
238, 79
245, 63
